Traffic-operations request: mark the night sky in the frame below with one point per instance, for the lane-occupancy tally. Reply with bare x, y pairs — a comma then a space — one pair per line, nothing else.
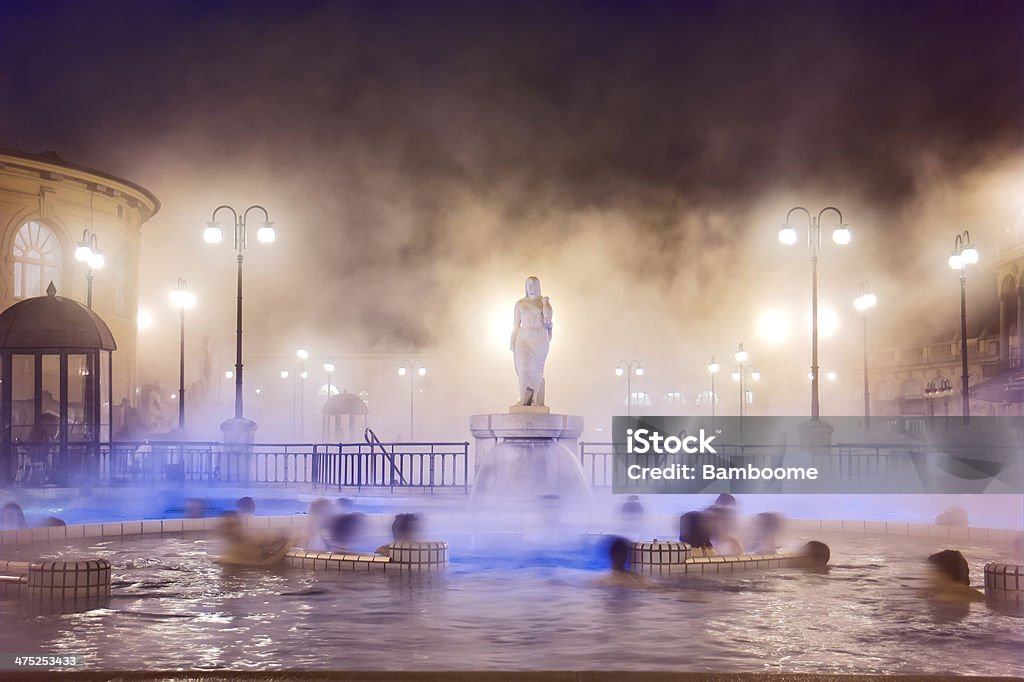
638, 156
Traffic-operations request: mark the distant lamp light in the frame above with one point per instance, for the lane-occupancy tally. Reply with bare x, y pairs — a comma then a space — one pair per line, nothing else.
969, 255
956, 261
266, 234
182, 297
83, 252
713, 366
303, 374
229, 374
865, 302
302, 354
328, 366
831, 376
841, 235
422, 371
619, 371
144, 319
639, 371
96, 260
754, 374
213, 234
736, 374
402, 371
259, 391
284, 374
787, 235
741, 354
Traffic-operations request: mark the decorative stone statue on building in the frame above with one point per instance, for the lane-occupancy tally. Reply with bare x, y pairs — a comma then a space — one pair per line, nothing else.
531, 340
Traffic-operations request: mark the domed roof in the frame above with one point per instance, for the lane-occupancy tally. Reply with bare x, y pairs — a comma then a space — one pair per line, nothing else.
53, 322
344, 403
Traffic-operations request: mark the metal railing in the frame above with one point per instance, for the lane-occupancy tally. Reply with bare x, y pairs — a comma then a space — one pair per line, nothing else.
360, 465
845, 462
394, 465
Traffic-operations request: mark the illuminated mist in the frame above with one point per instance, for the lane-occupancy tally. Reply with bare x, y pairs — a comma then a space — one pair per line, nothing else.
420, 160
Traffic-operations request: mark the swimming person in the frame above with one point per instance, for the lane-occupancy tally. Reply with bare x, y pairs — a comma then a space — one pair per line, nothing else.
405, 528
345, 530
12, 517
621, 576
246, 506
632, 510
817, 555
694, 531
248, 547
766, 533
320, 513
949, 578
721, 520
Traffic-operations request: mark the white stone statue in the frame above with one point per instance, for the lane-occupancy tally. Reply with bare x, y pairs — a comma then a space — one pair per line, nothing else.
531, 339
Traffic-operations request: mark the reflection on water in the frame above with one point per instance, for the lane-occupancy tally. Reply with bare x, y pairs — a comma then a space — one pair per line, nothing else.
174, 607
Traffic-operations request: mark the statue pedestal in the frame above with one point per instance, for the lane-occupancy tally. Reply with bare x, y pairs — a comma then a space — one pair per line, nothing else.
527, 454
529, 409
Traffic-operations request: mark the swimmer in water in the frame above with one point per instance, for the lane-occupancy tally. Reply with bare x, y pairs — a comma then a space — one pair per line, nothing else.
247, 547
694, 531
621, 576
949, 579
405, 528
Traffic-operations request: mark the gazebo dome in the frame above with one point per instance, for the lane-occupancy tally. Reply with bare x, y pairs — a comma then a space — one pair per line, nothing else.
344, 403
54, 323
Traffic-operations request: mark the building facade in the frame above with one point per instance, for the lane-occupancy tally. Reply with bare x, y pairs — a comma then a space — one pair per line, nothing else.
47, 208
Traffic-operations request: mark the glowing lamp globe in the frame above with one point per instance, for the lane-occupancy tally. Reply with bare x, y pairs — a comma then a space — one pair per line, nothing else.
213, 234
402, 371
266, 234
639, 371
787, 235
422, 371
841, 235
83, 252
956, 262
969, 255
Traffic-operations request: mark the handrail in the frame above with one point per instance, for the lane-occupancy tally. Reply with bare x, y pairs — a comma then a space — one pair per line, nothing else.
371, 438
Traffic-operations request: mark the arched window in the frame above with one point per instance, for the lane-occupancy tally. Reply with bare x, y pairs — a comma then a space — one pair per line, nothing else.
37, 260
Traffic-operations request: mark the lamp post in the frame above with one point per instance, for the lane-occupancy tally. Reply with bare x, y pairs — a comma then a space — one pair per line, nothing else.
628, 369
213, 234
329, 368
740, 374
302, 354
788, 237
88, 252
183, 299
713, 368
964, 254
863, 303
942, 389
413, 369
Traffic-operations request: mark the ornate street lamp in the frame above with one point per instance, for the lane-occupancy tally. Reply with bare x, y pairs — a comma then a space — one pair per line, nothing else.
964, 254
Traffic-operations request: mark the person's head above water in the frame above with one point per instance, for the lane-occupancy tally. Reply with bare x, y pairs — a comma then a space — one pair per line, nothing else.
346, 527
694, 530
951, 564
405, 528
245, 505
618, 552
725, 500
818, 553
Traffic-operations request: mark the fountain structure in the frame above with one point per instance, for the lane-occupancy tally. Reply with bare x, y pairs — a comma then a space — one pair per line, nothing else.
528, 451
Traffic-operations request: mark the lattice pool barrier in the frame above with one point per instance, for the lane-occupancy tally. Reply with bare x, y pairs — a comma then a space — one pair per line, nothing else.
1005, 582
666, 557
